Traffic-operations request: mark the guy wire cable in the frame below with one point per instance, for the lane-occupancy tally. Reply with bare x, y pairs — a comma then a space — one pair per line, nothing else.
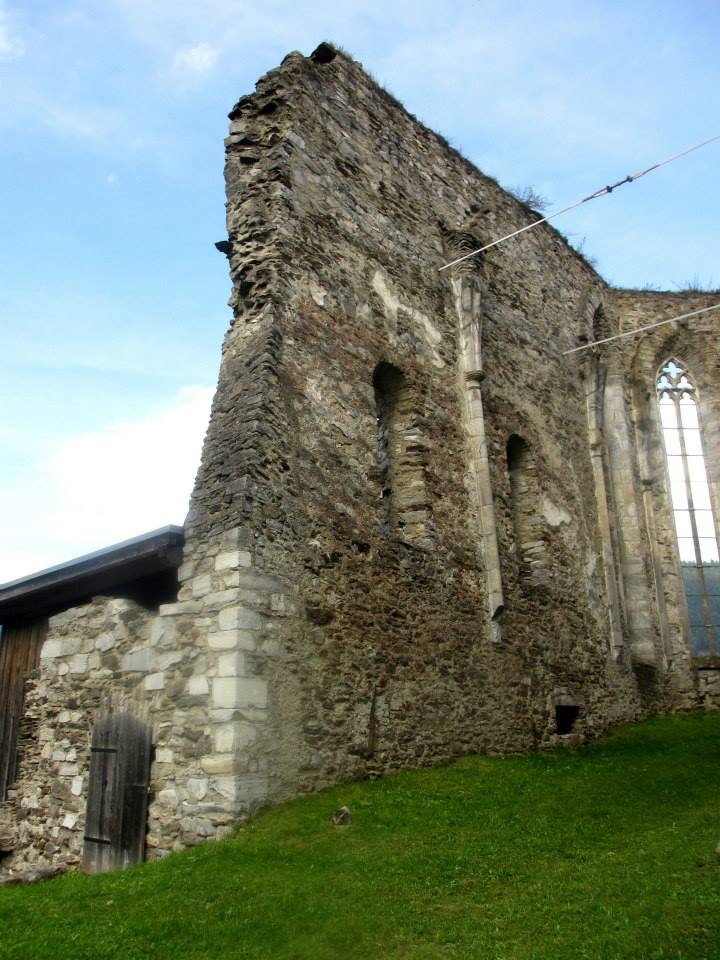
649, 326
593, 196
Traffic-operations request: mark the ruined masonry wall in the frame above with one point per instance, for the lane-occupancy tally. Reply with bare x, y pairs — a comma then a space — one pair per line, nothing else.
340, 616
688, 681
341, 209
211, 718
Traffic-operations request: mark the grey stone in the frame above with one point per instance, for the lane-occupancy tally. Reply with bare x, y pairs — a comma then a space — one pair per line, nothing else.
140, 660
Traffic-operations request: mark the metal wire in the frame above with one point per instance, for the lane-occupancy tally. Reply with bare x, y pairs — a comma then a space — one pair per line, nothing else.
649, 326
603, 191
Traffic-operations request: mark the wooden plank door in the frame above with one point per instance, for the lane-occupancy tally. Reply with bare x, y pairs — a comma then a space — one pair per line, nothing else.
19, 655
116, 815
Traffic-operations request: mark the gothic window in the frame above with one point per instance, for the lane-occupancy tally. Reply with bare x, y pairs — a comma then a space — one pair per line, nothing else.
692, 509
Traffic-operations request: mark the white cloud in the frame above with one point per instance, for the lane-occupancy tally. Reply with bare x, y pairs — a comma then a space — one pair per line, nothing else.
102, 487
11, 47
195, 63
91, 123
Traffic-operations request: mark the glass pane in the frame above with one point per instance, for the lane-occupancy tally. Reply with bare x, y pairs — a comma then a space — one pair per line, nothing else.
688, 413
696, 611
691, 579
675, 469
678, 492
711, 574
700, 495
692, 443
704, 523
684, 384
696, 468
714, 610
672, 442
709, 550
692, 507
687, 549
700, 641
682, 523
668, 416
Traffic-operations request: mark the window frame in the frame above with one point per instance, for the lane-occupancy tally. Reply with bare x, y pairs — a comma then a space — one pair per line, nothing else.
690, 496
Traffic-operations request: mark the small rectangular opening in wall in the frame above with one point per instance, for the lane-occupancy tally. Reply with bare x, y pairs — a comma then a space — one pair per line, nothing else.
565, 717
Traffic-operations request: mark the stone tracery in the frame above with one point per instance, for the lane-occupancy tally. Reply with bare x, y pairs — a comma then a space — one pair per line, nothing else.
695, 524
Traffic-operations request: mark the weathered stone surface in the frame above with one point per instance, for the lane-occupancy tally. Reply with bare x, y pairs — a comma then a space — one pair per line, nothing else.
140, 660
51, 649
32, 875
419, 528
234, 691
7, 831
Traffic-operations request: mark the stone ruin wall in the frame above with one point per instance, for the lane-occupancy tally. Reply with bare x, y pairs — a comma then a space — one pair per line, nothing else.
324, 630
638, 360
341, 209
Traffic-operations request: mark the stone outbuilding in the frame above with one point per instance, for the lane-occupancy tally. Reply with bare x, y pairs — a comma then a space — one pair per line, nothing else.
421, 527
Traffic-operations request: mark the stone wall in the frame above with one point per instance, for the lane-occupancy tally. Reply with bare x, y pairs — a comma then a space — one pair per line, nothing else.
694, 341
341, 210
419, 527
93, 662
214, 732
193, 671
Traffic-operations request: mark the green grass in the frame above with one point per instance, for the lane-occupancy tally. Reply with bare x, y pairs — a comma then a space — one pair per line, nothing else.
604, 853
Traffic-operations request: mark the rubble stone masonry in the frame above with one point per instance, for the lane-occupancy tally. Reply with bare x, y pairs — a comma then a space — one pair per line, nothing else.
418, 529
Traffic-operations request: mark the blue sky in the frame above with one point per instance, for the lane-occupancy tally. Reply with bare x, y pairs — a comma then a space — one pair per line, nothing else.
112, 118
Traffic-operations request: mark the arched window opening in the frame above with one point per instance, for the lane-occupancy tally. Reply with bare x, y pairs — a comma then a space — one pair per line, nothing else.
690, 493
402, 454
530, 546
389, 383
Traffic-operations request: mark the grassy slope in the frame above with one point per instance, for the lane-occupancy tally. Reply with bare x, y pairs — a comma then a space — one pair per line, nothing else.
599, 854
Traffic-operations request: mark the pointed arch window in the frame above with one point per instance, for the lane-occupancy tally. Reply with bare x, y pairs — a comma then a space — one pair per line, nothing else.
694, 520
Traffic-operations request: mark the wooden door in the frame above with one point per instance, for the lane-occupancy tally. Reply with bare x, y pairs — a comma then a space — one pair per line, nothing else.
116, 815
19, 656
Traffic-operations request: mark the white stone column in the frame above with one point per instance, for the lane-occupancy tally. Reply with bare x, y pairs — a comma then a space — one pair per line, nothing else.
633, 549
595, 401
467, 293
